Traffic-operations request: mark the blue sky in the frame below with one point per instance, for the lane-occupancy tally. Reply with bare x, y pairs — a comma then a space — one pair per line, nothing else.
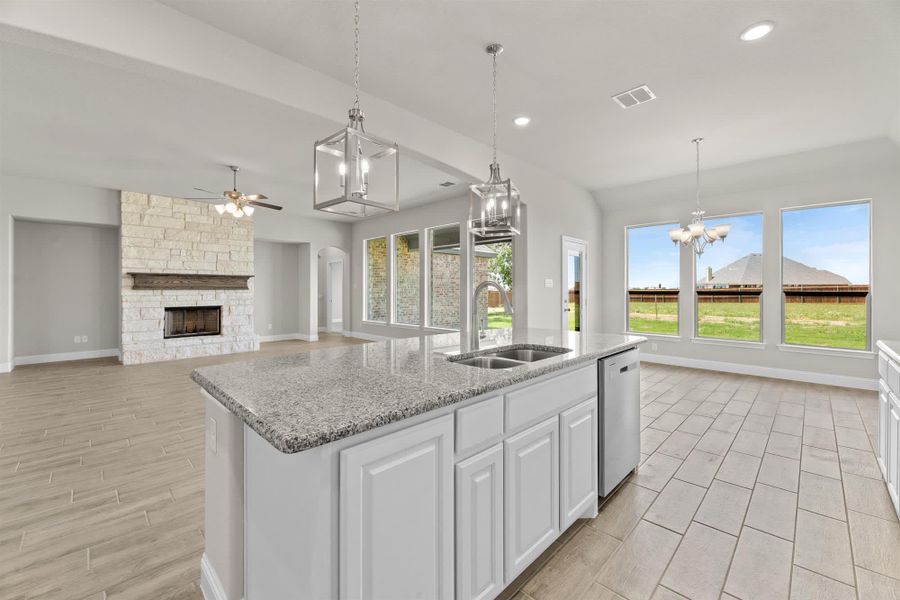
835, 238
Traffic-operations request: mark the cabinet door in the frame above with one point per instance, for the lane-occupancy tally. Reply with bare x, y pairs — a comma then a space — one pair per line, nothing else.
531, 504
893, 461
479, 525
396, 515
578, 462
884, 414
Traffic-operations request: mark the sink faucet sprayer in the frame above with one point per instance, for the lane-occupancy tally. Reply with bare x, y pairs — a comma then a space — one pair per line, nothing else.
474, 326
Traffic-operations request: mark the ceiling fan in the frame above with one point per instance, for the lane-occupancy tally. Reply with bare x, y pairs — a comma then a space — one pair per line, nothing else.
237, 203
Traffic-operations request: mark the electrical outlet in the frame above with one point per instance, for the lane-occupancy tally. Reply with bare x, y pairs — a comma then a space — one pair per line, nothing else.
84, 339
548, 283
77, 339
654, 346
211, 434
270, 327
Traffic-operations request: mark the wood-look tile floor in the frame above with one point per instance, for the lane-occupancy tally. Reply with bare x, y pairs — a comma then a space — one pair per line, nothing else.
749, 488
101, 477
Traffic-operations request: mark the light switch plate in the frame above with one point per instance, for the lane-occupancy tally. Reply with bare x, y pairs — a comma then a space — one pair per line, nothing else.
654, 346
548, 283
211, 434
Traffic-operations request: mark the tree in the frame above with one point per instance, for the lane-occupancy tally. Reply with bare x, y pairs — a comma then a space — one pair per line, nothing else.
501, 265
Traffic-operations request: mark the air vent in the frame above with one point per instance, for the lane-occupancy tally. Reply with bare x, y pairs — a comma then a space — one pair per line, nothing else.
633, 97
447, 184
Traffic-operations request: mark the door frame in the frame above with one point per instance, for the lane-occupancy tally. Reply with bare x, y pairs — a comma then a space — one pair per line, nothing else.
329, 295
569, 242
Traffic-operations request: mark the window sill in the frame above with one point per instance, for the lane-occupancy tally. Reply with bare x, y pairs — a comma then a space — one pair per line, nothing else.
731, 343
655, 336
377, 323
822, 351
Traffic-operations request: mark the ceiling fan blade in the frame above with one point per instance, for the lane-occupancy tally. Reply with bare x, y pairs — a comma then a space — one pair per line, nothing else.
207, 191
254, 197
265, 204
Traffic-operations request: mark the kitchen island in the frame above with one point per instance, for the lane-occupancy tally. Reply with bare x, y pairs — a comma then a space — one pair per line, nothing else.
395, 470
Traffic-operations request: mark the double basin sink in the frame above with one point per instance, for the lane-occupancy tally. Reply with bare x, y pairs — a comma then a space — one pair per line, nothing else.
507, 359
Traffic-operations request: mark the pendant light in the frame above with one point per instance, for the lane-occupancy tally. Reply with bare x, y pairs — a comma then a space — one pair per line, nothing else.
697, 235
355, 173
494, 204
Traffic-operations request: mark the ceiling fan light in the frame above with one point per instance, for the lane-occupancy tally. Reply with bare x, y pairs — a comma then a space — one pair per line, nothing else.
231, 207
248, 210
238, 213
220, 208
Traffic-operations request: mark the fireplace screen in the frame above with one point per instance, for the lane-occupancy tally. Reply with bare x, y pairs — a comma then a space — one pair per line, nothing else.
187, 321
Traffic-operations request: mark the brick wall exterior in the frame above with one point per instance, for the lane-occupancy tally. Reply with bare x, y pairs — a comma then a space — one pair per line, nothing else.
406, 294
376, 279
169, 235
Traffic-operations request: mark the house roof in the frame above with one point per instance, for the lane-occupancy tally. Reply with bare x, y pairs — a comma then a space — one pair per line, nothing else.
748, 271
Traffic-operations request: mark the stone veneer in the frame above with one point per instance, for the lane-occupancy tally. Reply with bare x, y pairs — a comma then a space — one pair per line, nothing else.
170, 235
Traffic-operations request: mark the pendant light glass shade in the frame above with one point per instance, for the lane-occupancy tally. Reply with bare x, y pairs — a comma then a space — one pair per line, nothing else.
355, 173
494, 206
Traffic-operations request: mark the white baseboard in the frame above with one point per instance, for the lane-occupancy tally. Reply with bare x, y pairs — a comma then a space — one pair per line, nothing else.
861, 383
281, 337
6, 367
321, 329
210, 585
366, 336
65, 356
308, 338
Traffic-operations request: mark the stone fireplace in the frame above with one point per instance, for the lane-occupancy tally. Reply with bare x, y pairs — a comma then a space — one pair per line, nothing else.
187, 287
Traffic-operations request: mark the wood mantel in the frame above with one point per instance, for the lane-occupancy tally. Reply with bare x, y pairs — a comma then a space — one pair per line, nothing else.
186, 281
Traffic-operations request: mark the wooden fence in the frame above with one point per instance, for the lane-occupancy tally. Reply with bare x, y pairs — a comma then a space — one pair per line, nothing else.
834, 294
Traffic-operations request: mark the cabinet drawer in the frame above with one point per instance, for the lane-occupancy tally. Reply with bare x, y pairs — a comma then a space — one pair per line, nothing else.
479, 424
550, 397
893, 378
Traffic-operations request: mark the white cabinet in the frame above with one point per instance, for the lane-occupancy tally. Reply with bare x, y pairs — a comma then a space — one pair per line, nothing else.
531, 471
884, 411
479, 525
893, 451
396, 515
578, 462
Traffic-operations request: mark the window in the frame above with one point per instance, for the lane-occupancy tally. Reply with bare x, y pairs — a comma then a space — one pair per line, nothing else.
376, 279
444, 267
406, 278
825, 275
492, 260
729, 282
653, 279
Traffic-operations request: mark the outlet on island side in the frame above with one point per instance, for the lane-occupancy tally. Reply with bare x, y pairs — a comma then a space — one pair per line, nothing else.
653, 347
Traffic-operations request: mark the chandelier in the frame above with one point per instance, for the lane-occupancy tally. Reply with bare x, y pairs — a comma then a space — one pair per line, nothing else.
494, 204
697, 235
355, 173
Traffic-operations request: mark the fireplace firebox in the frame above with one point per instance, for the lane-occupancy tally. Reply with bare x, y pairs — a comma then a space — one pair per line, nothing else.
191, 321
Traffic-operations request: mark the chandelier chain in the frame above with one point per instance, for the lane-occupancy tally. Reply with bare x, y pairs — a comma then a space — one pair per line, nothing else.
356, 52
494, 99
697, 144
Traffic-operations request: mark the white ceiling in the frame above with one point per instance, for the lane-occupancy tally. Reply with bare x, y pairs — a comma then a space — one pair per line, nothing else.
74, 120
828, 74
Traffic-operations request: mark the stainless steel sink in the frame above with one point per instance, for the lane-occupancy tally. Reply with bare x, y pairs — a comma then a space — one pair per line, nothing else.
490, 362
527, 355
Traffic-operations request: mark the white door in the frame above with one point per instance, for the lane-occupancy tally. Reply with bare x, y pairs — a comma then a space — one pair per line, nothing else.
884, 419
893, 461
334, 299
531, 504
396, 515
479, 525
578, 462
574, 284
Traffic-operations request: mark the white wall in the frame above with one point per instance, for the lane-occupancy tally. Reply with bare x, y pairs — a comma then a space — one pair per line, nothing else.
868, 169
65, 284
276, 288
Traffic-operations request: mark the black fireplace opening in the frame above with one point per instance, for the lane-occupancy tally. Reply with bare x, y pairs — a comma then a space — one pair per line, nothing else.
192, 321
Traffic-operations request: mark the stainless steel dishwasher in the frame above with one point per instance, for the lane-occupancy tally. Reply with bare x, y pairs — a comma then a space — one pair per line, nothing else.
620, 417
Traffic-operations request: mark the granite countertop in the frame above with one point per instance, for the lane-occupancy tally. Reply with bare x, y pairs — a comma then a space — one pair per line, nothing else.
308, 399
891, 347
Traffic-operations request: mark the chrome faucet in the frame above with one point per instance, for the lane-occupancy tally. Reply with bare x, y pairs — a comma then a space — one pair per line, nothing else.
475, 326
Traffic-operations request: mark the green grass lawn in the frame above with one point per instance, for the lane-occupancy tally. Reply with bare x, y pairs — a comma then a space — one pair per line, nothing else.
498, 319
829, 325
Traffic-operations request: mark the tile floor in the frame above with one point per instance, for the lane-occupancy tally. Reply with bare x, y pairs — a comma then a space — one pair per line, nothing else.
749, 488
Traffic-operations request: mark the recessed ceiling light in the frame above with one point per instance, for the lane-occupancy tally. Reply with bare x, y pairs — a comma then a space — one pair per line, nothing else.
757, 31
522, 120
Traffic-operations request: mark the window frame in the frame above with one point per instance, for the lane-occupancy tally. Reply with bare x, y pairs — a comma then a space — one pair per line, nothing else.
365, 274
870, 298
392, 280
665, 336
426, 275
728, 341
